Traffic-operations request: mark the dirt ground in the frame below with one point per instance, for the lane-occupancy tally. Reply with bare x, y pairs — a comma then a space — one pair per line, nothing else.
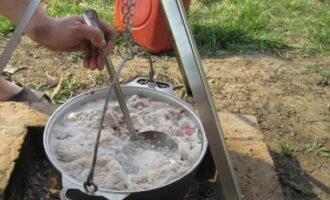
292, 108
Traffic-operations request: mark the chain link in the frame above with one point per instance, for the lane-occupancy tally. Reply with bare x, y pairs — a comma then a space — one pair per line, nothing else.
128, 10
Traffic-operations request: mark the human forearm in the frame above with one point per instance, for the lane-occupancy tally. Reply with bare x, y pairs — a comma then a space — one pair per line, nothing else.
39, 24
65, 34
13, 9
40, 27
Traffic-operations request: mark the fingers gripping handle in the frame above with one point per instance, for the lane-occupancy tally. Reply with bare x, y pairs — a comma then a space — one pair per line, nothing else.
91, 19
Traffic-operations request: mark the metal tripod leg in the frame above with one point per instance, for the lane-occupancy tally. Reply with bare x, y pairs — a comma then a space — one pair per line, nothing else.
192, 70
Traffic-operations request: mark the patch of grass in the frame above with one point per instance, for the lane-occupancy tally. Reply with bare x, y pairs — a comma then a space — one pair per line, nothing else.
5, 26
319, 149
63, 8
75, 56
261, 25
286, 150
69, 87
307, 191
236, 26
324, 70
99, 76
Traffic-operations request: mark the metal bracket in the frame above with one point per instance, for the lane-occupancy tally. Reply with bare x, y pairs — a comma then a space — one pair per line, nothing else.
193, 75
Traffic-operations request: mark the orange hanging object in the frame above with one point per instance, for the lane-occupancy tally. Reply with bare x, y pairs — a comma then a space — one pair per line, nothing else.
149, 29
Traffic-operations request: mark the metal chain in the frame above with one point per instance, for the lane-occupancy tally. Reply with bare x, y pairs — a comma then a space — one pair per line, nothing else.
151, 82
128, 10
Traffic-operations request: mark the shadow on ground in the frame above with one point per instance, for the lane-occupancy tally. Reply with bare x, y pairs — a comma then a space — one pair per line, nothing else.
295, 183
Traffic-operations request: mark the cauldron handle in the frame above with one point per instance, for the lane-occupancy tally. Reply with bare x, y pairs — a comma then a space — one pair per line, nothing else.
143, 82
68, 185
108, 196
63, 194
112, 196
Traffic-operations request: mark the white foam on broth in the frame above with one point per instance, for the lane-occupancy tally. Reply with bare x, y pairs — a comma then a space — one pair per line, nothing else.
74, 138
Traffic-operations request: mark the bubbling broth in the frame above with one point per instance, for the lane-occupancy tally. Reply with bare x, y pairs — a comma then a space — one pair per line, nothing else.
74, 140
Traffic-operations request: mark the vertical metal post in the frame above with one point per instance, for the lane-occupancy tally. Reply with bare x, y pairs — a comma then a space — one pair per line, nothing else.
191, 68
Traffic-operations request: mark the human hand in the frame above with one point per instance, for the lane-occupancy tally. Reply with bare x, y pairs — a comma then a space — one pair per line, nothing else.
73, 34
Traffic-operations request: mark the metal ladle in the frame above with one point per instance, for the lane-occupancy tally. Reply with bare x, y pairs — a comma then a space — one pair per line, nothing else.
137, 142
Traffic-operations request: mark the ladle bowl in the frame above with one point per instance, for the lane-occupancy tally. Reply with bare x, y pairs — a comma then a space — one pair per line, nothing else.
152, 141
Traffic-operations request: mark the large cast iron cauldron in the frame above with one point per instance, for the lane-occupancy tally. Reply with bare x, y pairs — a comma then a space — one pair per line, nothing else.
73, 189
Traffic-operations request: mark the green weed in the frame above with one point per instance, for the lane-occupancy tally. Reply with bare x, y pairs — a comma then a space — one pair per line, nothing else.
69, 87
319, 149
99, 76
75, 56
5, 26
307, 191
286, 150
324, 70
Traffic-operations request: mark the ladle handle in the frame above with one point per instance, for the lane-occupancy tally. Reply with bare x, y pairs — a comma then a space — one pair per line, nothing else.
91, 18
